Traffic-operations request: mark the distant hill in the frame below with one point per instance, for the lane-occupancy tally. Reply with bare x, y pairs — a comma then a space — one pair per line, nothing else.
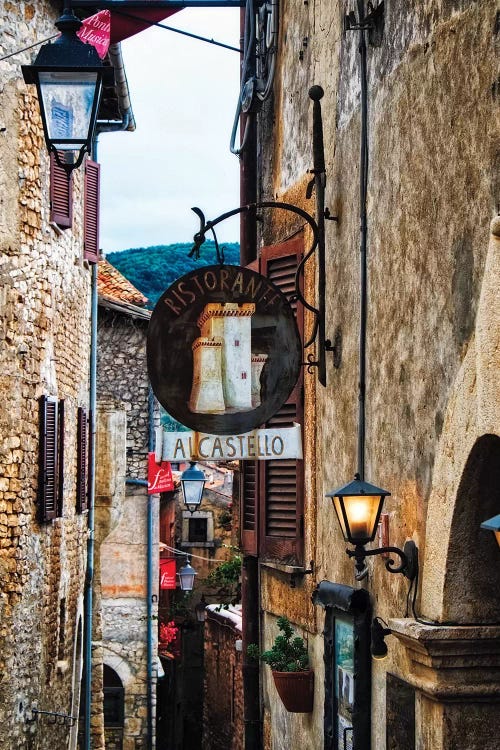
153, 269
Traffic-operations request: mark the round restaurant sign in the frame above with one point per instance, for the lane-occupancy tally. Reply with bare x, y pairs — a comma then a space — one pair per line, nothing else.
224, 350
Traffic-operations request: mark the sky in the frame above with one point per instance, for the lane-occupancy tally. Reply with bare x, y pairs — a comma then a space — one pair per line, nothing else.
184, 95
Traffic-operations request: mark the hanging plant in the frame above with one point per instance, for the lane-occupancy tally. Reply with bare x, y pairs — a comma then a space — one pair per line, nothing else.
289, 662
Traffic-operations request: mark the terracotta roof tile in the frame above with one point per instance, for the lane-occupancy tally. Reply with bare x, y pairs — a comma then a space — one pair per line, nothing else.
113, 286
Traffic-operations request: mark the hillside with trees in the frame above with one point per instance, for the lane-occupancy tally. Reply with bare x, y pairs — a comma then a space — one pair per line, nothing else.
154, 269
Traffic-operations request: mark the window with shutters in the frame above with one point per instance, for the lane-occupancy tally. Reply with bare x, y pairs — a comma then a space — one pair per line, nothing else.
61, 193
48, 478
81, 461
60, 458
272, 491
91, 211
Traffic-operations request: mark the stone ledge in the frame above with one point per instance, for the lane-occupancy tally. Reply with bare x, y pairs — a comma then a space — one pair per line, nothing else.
452, 663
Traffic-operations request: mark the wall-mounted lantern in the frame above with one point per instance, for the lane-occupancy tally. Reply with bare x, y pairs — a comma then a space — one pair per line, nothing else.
200, 610
493, 524
192, 483
186, 576
378, 645
69, 75
358, 506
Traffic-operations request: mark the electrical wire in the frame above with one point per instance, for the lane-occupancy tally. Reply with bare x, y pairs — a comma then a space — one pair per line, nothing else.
188, 554
435, 623
35, 44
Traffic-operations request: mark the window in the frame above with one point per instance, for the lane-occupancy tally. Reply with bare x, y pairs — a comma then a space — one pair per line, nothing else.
197, 530
60, 193
81, 461
91, 211
114, 698
48, 476
272, 491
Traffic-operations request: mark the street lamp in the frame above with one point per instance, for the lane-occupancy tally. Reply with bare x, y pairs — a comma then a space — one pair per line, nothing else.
186, 576
192, 483
200, 610
358, 506
493, 524
69, 76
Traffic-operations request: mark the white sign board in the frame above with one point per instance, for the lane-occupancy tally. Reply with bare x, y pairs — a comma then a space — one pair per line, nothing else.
261, 445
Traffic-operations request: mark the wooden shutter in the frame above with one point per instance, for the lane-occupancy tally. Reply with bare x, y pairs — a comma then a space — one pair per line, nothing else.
81, 462
249, 507
91, 211
61, 193
48, 477
281, 482
249, 493
60, 459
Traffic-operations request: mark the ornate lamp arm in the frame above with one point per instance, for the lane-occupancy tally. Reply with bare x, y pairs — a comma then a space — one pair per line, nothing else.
409, 559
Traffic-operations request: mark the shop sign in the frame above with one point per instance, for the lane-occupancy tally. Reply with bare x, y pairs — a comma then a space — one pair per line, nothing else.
224, 351
159, 476
264, 445
168, 573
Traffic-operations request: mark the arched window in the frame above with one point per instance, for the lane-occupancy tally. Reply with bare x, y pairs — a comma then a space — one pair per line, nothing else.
114, 698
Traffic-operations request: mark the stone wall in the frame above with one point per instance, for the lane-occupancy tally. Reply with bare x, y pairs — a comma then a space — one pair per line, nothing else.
123, 376
434, 140
223, 725
122, 381
44, 333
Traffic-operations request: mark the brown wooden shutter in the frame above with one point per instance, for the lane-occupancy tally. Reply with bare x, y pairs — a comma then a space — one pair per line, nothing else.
81, 462
48, 477
61, 193
60, 459
249, 506
281, 482
249, 493
91, 211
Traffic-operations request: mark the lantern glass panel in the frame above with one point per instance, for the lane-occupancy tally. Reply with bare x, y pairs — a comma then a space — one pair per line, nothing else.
68, 101
361, 514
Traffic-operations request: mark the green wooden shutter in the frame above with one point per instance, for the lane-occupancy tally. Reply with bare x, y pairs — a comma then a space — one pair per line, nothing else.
48, 473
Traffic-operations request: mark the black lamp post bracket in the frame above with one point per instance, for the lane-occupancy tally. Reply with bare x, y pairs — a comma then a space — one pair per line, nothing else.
408, 555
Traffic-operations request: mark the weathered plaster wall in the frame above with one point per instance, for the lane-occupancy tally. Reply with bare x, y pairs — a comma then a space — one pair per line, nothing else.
44, 334
434, 141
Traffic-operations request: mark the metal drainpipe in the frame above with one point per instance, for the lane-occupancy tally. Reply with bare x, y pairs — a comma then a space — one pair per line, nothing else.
127, 122
149, 578
89, 577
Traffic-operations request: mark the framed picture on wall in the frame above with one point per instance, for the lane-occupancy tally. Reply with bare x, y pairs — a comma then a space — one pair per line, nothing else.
347, 659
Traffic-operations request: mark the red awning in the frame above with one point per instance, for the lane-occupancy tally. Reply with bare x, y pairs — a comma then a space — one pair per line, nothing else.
105, 28
122, 27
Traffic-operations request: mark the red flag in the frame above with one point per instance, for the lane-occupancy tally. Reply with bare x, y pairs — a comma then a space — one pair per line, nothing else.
105, 28
96, 30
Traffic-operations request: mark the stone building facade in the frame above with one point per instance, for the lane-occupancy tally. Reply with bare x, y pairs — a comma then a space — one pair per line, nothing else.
44, 352
123, 507
223, 693
433, 332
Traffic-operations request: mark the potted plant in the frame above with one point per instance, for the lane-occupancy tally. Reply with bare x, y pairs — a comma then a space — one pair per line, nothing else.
289, 664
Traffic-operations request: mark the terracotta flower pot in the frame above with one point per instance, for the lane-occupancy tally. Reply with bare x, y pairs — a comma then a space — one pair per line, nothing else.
296, 690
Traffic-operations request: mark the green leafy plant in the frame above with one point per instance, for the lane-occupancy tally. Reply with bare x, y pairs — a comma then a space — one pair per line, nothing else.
288, 653
227, 574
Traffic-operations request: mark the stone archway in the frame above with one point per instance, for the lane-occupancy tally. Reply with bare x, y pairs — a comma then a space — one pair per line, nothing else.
464, 476
472, 578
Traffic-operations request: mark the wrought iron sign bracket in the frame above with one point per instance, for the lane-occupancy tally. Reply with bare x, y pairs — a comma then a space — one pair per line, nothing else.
372, 21
317, 232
